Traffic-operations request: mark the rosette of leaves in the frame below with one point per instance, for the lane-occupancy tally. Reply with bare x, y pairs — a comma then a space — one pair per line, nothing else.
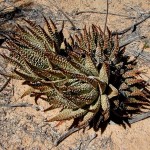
88, 76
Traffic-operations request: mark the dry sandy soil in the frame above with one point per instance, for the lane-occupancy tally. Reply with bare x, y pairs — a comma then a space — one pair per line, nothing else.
24, 128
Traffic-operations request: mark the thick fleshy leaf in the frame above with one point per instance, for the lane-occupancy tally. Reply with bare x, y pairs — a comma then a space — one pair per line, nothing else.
67, 114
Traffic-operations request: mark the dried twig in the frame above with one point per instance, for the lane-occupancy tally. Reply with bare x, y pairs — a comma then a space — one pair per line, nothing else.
65, 135
20, 105
16, 105
136, 118
132, 26
72, 24
139, 117
106, 17
91, 138
130, 40
145, 56
98, 12
5, 84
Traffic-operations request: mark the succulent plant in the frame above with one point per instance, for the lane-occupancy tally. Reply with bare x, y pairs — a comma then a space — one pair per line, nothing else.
88, 76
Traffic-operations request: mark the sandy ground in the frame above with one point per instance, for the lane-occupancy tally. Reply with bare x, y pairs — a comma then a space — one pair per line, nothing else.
24, 128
